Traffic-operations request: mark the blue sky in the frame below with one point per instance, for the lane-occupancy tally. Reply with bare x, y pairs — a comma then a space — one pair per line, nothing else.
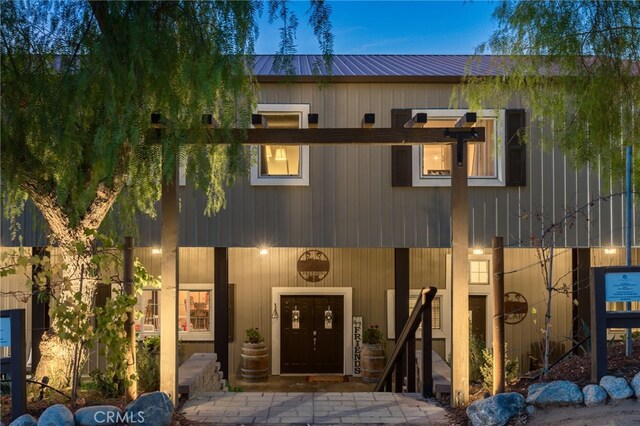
407, 27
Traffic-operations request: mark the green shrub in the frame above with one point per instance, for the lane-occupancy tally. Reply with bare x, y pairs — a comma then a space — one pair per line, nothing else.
373, 336
148, 364
253, 336
511, 367
476, 346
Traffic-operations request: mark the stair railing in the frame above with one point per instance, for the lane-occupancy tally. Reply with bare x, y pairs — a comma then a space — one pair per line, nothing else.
421, 312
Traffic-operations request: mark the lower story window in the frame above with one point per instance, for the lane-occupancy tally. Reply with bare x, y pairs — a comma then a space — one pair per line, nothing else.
195, 313
280, 160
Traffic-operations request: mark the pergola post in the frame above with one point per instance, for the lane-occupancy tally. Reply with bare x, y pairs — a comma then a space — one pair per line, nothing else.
169, 286
460, 275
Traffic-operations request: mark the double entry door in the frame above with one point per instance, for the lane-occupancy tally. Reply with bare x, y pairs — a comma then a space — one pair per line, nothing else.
311, 333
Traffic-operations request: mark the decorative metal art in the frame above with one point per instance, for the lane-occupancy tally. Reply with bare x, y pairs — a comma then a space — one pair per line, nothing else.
328, 318
295, 318
274, 314
515, 307
313, 266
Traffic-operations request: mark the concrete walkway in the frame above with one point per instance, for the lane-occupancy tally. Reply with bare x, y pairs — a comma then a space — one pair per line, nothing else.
313, 408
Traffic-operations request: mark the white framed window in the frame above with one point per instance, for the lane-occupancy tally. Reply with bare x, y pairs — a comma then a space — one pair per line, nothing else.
479, 272
485, 160
439, 312
282, 165
195, 312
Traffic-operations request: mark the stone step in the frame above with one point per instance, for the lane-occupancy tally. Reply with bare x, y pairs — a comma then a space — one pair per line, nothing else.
200, 373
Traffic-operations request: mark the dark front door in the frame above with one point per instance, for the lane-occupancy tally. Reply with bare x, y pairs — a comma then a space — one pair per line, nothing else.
311, 332
478, 308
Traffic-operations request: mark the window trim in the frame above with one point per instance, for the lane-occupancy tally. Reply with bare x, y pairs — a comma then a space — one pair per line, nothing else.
184, 335
303, 178
417, 153
436, 333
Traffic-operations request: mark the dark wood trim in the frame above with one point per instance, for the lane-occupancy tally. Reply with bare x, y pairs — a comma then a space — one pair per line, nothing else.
401, 156
221, 306
581, 314
401, 304
347, 136
515, 148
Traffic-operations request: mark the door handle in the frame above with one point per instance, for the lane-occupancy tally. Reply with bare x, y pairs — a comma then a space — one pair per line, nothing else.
315, 333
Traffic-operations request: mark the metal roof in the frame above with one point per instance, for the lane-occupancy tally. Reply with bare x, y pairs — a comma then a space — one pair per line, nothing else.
383, 66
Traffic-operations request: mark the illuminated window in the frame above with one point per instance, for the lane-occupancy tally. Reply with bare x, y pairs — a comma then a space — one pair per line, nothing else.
478, 272
284, 165
195, 312
484, 159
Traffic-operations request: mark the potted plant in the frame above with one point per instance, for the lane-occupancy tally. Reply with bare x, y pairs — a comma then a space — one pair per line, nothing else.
373, 357
254, 357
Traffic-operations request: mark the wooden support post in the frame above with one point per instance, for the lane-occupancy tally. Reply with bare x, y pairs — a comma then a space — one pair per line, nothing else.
460, 278
401, 305
427, 347
581, 306
498, 315
221, 308
130, 327
169, 287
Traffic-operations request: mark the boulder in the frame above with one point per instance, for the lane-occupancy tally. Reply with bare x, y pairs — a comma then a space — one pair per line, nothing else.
57, 415
594, 395
24, 420
154, 408
635, 385
556, 393
99, 415
534, 387
496, 410
616, 387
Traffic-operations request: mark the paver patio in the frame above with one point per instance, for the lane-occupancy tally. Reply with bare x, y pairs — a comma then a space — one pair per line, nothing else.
313, 408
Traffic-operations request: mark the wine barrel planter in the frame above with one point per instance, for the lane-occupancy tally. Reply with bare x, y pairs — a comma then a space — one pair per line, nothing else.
372, 359
254, 362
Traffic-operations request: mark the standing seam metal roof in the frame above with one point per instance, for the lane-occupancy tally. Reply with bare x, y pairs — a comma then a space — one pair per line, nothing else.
385, 65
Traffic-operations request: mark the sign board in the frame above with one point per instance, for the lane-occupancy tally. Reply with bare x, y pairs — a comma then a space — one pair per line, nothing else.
5, 332
622, 286
357, 346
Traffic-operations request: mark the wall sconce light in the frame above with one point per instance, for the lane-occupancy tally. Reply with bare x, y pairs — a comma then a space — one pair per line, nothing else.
610, 251
281, 154
264, 251
156, 251
478, 251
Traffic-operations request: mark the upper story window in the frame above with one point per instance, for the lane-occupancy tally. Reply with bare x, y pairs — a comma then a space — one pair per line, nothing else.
485, 160
284, 165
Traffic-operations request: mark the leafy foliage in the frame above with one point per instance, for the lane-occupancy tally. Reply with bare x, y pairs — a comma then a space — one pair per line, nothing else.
148, 364
576, 65
373, 336
81, 79
511, 367
252, 335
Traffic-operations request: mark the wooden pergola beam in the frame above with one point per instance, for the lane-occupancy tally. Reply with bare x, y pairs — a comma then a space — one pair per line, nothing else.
345, 136
417, 121
467, 120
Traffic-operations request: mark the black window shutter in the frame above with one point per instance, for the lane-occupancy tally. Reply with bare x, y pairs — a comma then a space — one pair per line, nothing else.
516, 150
401, 174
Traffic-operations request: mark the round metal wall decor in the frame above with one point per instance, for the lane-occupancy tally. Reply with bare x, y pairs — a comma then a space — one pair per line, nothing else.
515, 307
313, 266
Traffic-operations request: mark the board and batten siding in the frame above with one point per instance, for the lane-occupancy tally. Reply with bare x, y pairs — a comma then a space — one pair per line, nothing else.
523, 275
350, 201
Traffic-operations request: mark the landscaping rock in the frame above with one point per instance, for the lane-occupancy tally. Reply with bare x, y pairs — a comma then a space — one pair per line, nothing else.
594, 395
496, 410
556, 393
153, 408
534, 387
616, 387
24, 420
57, 415
635, 385
98, 415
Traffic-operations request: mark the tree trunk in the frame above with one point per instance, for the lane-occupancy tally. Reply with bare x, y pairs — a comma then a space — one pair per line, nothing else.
62, 359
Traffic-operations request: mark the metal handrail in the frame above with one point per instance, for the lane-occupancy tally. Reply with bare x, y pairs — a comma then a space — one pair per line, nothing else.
421, 311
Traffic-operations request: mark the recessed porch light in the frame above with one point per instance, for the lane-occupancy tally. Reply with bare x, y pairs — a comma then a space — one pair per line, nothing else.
610, 250
156, 251
478, 251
